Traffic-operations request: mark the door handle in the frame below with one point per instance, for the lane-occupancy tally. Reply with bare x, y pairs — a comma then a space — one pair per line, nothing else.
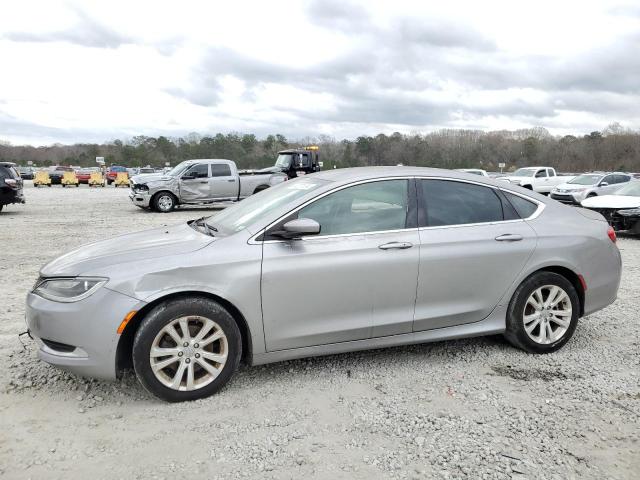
509, 237
395, 245
231, 180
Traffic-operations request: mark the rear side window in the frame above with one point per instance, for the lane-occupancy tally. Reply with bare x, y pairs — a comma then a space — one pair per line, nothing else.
220, 170
524, 207
622, 178
541, 173
449, 202
8, 172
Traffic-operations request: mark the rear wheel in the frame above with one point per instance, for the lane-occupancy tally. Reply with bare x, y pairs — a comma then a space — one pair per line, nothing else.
543, 313
186, 349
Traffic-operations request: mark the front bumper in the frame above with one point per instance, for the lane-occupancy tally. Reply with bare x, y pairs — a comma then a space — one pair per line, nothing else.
566, 198
140, 199
80, 337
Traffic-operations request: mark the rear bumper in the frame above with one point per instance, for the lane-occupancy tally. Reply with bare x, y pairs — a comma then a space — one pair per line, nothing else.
9, 195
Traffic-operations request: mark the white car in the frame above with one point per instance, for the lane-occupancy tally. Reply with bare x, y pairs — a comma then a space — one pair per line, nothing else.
589, 185
621, 209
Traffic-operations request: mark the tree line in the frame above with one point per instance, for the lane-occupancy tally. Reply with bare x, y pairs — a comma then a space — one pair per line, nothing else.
613, 148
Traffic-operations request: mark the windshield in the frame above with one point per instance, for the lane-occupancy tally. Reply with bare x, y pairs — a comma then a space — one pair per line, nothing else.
632, 189
241, 215
180, 168
525, 172
284, 160
585, 180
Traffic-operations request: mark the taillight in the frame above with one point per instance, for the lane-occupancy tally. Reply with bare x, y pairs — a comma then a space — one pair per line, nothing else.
612, 234
11, 182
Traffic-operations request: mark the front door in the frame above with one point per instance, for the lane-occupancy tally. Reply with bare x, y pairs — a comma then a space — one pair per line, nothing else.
473, 245
194, 184
355, 280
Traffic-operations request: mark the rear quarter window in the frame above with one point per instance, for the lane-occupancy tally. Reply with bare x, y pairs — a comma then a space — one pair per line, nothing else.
524, 207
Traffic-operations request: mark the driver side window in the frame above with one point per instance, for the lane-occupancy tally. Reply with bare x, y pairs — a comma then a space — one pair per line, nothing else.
198, 171
369, 207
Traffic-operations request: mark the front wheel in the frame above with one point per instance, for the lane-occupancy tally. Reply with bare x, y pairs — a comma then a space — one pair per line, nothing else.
186, 349
543, 313
164, 202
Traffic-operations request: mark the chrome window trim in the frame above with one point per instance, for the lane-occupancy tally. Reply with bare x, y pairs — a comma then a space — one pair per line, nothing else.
535, 214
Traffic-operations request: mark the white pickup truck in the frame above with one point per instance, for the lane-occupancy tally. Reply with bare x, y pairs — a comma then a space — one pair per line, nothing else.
538, 179
197, 182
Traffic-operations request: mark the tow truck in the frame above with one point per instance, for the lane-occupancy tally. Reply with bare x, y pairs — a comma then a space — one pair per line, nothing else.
292, 162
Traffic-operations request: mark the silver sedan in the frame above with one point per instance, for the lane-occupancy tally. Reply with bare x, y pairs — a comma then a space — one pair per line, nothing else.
331, 262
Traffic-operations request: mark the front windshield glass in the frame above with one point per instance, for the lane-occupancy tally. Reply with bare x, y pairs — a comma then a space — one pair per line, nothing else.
241, 215
588, 179
525, 172
632, 189
284, 160
178, 169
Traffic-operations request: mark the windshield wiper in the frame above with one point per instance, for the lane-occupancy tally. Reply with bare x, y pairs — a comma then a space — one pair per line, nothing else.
200, 222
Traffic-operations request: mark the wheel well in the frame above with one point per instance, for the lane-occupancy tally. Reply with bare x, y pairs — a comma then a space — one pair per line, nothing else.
528, 187
573, 278
259, 188
125, 344
155, 195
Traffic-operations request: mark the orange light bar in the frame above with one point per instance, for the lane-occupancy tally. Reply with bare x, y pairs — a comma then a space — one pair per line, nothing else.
312, 147
126, 320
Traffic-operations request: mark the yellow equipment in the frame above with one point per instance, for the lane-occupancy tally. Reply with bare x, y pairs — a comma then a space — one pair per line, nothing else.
96, 180
69, 178
42, 178
121, 179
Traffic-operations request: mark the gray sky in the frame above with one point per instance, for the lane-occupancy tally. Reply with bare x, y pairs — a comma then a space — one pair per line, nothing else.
81, 71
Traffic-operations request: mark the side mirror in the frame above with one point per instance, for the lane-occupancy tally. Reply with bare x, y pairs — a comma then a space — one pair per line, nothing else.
187, 177
604, 184
298, 228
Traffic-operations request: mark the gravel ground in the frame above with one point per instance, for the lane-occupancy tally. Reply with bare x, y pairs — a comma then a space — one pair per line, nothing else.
460, 409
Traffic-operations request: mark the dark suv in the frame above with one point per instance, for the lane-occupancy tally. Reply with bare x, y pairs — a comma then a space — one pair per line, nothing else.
10, 185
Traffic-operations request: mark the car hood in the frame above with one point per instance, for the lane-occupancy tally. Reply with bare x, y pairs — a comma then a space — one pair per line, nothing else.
150, 177
123, 249
573, 186
612, 201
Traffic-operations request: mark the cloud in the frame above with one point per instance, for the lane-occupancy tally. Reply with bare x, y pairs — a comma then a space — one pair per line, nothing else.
87, 32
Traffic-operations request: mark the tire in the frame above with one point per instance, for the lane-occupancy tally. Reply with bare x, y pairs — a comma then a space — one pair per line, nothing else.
164, 202
152, 334
521, 313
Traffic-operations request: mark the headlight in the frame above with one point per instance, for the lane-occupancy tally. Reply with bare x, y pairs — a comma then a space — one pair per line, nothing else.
630, 212
68, 289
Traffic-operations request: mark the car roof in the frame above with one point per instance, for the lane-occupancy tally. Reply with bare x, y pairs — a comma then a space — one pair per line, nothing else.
7, 164
365, 173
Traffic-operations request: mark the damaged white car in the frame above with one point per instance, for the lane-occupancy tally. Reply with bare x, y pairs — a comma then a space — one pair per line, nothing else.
621, 209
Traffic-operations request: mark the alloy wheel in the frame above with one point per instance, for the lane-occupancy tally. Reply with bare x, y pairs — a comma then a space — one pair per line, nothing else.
165, 203
547, 314
188, 353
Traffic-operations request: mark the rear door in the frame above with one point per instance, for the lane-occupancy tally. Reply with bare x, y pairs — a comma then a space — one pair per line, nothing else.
355, 280
224, 182
472, 247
